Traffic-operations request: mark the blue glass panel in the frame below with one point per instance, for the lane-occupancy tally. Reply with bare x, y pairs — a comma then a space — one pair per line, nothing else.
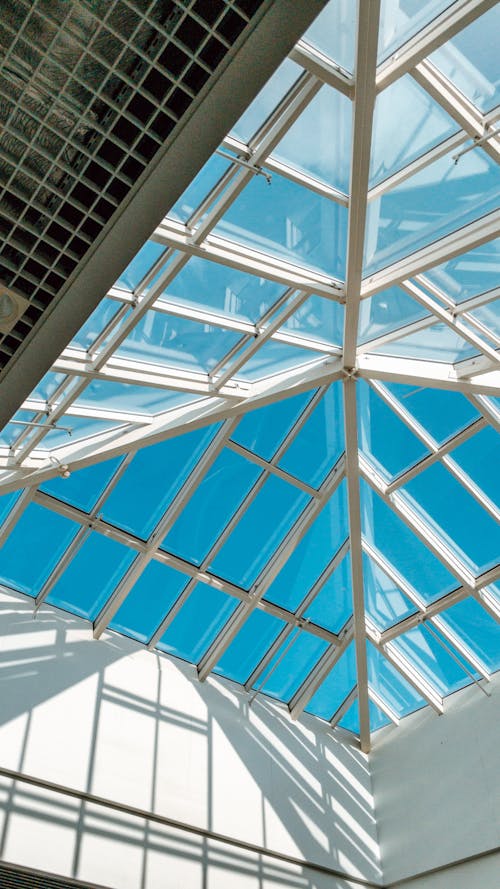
441, 412
382, 528
314, 552
199, 188
148, 602
407, 122
33, 548
332, 606
350, 722
231, 292
289, 221
390, 685
197, 623
318, 319
437, 200
385, 603
275, 357
81, 427
267, 100
376, 717
165, 340
263, 430
333, 32
335, 688
140, 266
478, 630
294, 668
468, 274
401, 19
127, 398
95, 324
91, 576
383, 437
470, 60
480, 457
386, 311
152, 480
319, 142
11, 432
320, 441
6, 503
489, 315
47, 386
249, 646
210, 508
259, 532
432, 660
436, 343
84, 487
449, 508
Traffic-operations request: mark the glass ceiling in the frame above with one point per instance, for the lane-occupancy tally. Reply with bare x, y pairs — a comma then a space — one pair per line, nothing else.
272, 450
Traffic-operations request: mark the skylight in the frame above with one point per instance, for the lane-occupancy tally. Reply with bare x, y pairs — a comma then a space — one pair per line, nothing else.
272, 449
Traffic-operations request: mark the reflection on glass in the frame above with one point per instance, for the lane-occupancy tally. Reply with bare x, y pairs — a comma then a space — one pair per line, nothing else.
199, 188
126, 398
332, 606
469, 273
401, 19
385, 603
390, 685
83, 487
436, 343
320, 442
476, 629
441, 412
140, 266
274, 357
407, 122
333, 32
429, 657
318, 319
266, 101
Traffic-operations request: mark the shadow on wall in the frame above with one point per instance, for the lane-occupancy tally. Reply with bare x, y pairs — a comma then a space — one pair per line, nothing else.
113, 720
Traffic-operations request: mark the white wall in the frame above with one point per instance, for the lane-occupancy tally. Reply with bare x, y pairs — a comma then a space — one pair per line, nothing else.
114, 720
436, 782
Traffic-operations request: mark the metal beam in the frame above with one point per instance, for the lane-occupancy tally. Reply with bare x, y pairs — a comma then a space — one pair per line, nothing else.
314, 61
320, 671
421, 372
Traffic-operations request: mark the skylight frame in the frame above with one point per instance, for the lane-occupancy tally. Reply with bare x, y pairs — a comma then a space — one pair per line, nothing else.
223, 397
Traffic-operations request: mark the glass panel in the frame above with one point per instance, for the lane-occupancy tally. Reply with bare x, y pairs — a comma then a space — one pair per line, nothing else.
6, 503
441, 412
148, 602
259, 532
314, 552
263, 430
335, 688
196, 625
198, 189
267, 100
318, 319
436, 343
138, 501
350, 722
81, 427
376, 717
332, 606
489, 315
33, 548
139, 267
91, 576
390, 685
470, 60
383, 437
212, 286
294, 668
401, 19
407, 122
437, 200
49, 383
131, 399
320, 442
84, 487
477, 629
249, 646
386, 311
319, 142
385, 603
95, 324
275, 357
11, 432
480, 458
289, 221
210, 508
431, 659
468, 274
333, 32
447, 506
168, 341
384, 530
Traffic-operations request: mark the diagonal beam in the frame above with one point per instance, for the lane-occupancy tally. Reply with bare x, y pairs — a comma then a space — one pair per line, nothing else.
423, 372
442, 28
320, 671
314, 61
344, 707
364, 102
407, 669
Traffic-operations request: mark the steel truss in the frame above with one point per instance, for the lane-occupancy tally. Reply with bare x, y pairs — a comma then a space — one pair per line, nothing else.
223, 395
